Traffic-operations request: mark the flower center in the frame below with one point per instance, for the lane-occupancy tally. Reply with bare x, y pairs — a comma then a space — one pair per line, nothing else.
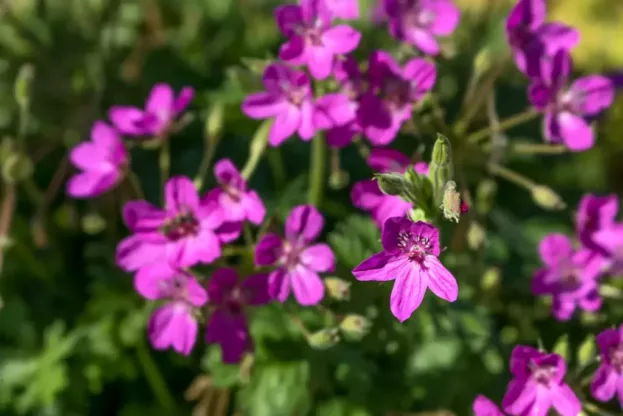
542, 375
181, 226
232, 191
569, 276
290, 254
174, 288
415, 16
415, 247
616, 357
396, 92
567, 101
234, 301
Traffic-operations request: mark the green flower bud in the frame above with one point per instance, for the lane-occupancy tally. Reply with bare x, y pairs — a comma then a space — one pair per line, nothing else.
93, 223
485, 195
475, 235
339, 179
17, 167
394, 184
418, 214
337, 288
355, 327
547, 198
23, 85
490, 279
324, 339
214, 121
441, 169
451, 202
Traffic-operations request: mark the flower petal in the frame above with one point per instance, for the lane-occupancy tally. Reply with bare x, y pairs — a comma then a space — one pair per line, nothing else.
440, 281
173, 326
446, 17
230, 331
539, 95
423, 74
307, 286
91, 184
332, 110
227, 174
521, 397
604, 385
318, 258
484, 407
255, 289
366, 194
148, 281
105, 137
387, 160
126, 119
596, 92
263, 105
221, 283
181, 195
564, 400
279, 285
555, 247
575, 132
183, 99
143, 217
160, 101
294, 51
319, 61
423, 40
134, 252
268, 250
89, 157
285, 125
408, 291
380, 267
304, 222
288, 17
341, 39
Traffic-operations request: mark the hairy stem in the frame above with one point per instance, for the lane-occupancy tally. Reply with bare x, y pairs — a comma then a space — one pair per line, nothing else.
511, 176
317, 169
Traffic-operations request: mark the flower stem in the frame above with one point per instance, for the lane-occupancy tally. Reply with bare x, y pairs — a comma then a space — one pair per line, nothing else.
538, 149
275, 161
511, 176
164, 160
596, 409
506, 124
317, 169
208, 154
135, 184
154, 378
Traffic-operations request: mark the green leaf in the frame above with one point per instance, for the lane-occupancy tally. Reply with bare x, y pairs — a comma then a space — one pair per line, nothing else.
438, 354
277, 389
340, 407
355, 239
223, 375
561, 347
586, 351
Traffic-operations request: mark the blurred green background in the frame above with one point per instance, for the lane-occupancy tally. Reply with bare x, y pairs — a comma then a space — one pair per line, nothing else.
72, 330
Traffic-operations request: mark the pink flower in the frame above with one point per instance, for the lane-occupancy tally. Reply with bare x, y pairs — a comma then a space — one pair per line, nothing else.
161, 110
409, 256
312, 40
298, 261
182, 234
527, 32
343, 9
608, 380
570, 276
172, 325
612, 240
100, 160
288, 99
538, 385
392, 92
567, 107
238, 202
229, 297
420, 22
366, 194
485, 407
595, 213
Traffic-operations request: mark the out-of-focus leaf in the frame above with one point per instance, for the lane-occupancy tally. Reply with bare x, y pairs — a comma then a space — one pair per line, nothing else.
435, 355
561, 346
586, 351
222, 375
341, 407
354, 240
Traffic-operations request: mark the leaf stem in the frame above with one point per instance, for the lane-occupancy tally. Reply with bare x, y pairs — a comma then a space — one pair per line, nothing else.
317, 169
504, 125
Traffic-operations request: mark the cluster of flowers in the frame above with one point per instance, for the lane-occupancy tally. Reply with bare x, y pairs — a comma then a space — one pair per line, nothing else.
538, 381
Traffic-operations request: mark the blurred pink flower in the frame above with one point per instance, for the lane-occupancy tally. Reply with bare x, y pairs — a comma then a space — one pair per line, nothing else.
567, 107
288, 99
409, 257
420, 22
298, 261
181, 235
343, 9
312, 41
484, 407
229, 297
172, 325
100, 160
161, 109
538, 385
569, 276
608, 380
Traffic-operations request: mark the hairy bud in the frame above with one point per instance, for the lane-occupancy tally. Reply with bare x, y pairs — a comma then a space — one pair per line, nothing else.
324, 339
440, 169
394, 184
547, 198
337, 288
355, 327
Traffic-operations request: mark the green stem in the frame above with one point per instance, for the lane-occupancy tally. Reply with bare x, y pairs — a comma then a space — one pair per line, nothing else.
504, 125
596, 409
256, 149
275, 161
135, 184
154, 378
538, 149
317, 169
208, 154
164, 161
511, 176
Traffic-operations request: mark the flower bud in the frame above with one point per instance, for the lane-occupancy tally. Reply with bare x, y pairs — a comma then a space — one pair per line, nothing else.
93, 223
475, 235
339, 179
418, 214
324, 339
355, 327
440, 170
23, 85
490, 278
17, 167
394, 184
485, 195
337, 288
451, 205
547, 198
214, 121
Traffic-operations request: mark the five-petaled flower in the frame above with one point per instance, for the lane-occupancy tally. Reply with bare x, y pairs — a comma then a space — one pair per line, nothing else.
100, 160
288, 99
228, 298
172, 325
391, 94
608, 380
237, 201
484, 407
409, 256
161, 109
567, 107
527, 32
298, 261
366, 194
538, 385
312, 41
569, 275
181, 235
420, 22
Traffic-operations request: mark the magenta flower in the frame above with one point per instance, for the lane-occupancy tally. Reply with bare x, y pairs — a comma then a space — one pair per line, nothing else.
567, 108
343, 9
527, 32
229, 297
172, 325
595, 213
100, 160
611, 239
392, 93
608, 380
569, 276
538, 385
367, 195
311, 39
238, 203
161, 110
484, 407
288, 99
409, 256
182, 234
298, 261
421, 22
